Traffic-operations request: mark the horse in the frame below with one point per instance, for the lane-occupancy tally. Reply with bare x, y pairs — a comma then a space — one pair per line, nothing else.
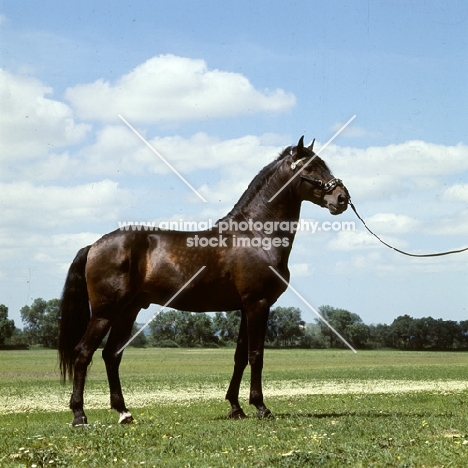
110, 281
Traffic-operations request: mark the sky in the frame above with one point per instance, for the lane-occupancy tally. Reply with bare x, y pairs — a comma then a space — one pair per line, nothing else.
220, 89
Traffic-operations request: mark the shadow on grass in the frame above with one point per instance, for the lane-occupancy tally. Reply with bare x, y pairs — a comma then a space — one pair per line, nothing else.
359, 414
338, 415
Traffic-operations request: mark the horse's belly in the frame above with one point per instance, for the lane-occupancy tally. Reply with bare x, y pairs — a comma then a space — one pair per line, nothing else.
207, 298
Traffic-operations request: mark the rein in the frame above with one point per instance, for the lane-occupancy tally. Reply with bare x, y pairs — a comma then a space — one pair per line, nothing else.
438, 254
329, 186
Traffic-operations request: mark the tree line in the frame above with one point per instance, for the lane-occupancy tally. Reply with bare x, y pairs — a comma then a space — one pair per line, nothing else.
285, 328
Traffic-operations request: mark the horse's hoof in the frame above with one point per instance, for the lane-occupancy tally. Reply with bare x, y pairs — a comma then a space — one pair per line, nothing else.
125, 418
80, 421
265, 413
237, 413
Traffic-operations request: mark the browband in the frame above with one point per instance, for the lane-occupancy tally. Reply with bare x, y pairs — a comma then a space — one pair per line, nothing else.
295, 163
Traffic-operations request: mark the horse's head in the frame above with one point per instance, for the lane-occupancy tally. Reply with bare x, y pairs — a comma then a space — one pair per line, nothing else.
315, 181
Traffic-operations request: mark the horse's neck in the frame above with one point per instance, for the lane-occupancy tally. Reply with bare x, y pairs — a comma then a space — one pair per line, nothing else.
280, 213
272, 202
282, 208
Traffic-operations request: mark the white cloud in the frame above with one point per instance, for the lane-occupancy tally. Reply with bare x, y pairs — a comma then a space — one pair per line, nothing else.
60, 249
51, 249
118, 150
372, 261
391, 223
395, 170
32, 124
27, 206
300, 270
171, 89
356, 240
454, 225
239, 161
456, 193
229, 165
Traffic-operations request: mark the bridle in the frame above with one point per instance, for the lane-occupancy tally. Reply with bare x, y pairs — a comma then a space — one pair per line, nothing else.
325, 187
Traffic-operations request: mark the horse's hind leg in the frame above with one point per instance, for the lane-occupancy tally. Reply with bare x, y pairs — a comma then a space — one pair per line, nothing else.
257, 317
118, 337
97, 329
240, 363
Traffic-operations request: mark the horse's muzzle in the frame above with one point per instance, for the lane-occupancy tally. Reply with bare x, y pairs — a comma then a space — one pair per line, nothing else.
339, 206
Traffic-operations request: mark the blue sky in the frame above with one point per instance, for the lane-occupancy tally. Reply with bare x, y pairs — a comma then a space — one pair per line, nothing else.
219, 89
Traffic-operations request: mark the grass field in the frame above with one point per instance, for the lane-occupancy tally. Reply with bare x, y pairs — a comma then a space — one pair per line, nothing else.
332, 409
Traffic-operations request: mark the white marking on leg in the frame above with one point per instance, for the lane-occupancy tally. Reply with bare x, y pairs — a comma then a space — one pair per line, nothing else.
124, 415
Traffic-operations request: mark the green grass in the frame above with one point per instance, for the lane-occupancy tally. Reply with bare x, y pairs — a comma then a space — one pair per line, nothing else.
397, 428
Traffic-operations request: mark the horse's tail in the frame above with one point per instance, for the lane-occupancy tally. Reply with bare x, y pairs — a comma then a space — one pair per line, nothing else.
74, 313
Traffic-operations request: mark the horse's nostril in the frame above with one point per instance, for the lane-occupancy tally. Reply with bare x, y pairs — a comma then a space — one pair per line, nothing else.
342, 199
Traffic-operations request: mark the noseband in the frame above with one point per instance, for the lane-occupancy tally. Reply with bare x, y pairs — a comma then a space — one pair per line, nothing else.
327, 186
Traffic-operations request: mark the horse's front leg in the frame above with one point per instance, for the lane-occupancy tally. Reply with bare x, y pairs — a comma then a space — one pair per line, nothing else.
257, 318
240, 363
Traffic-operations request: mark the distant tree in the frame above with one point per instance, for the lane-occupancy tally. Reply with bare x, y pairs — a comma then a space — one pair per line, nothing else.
226, 325
285, 326
342, 321
422, 333
448, 334
7, 326
428, 333
463, 334
18, 338
165, 327
380, 336
439, 334
199, 330
312, 337
41, 321
358, 334
183, 328
403, 332
140, 340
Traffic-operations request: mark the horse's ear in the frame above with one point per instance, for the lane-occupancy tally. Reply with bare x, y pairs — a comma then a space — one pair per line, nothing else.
311, 146
300, 144
298, 156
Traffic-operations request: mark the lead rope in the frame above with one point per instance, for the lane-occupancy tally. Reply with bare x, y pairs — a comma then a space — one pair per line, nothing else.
439, 254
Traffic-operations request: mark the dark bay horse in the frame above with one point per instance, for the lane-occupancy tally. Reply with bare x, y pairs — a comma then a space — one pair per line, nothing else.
109, 282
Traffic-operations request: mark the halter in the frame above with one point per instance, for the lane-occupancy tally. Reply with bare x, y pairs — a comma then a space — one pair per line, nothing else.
326, 187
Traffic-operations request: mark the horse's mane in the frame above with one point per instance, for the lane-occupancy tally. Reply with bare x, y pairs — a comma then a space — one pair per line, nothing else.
256, 184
